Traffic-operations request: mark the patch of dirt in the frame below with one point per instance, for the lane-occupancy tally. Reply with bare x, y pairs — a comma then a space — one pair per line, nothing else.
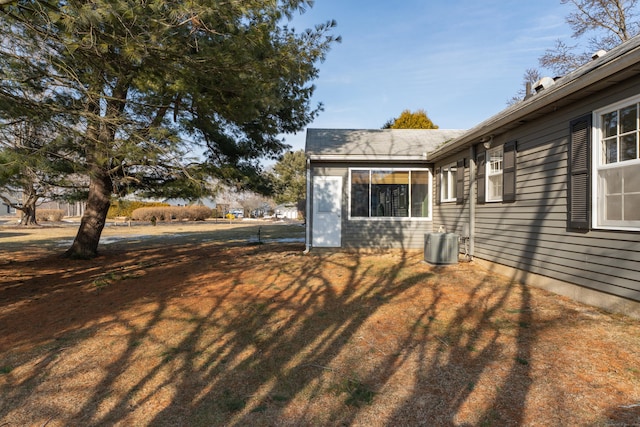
209, 327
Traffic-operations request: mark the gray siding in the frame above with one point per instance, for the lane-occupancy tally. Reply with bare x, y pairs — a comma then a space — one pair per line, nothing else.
531, 233
450, 215
400, 234
370, 233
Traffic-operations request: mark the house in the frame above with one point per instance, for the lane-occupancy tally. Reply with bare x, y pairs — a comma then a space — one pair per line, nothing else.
70, 209
546, 191
370, 188
286, 211
6, 200
203, 201
6, 209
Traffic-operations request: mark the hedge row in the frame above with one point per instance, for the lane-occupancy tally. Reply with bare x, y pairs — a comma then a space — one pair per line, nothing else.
126, 207
169, 213
49, 215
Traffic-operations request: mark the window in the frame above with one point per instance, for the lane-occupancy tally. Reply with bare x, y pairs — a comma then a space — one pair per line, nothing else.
616, 186
494, 175
497, 174
389, 193
448, 182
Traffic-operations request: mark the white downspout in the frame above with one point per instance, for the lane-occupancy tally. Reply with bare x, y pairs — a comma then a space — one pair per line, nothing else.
307, 210
472, 200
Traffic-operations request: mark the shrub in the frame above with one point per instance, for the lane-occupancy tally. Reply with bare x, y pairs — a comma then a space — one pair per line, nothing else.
199, 213
145, 214
126, 207
49, 215
169, 213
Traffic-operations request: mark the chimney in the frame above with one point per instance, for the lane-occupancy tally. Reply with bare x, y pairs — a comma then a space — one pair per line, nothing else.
527, 91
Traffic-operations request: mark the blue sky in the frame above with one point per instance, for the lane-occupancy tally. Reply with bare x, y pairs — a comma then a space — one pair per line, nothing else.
459, 60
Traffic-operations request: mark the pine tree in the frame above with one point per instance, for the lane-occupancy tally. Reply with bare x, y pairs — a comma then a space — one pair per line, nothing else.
143, 86
289, 178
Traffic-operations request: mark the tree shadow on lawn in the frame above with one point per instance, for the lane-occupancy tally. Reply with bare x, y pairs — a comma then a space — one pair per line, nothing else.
6, 234
213, 334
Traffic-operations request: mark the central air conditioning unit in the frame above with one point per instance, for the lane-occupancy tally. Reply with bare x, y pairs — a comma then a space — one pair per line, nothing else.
441, 248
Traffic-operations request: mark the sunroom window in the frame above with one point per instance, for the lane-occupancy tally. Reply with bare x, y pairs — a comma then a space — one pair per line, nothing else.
617, 185
390, 193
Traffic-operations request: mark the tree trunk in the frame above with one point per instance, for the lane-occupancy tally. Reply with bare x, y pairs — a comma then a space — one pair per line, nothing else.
28, 216
85, 245
99, 138
28, 208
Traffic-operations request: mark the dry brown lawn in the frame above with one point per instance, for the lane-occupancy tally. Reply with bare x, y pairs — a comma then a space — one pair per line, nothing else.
207, 329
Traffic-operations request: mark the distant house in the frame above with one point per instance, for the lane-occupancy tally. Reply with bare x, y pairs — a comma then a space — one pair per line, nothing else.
286, 211
70, 209
5, 208
205, 201
547, 191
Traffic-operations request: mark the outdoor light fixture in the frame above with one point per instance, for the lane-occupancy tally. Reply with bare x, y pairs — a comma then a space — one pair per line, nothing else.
486, 141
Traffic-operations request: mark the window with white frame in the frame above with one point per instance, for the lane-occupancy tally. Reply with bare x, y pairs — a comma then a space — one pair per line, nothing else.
390, 193
448, 181
616, 189
494, 174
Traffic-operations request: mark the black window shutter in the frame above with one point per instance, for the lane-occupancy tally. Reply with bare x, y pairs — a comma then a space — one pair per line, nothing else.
481, 177
438, 184
579, 169
509, 172
460, 182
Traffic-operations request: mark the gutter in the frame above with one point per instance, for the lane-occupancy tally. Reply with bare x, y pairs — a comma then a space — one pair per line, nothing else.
365, 158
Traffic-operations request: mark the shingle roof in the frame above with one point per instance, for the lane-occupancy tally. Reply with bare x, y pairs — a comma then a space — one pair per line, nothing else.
375, 144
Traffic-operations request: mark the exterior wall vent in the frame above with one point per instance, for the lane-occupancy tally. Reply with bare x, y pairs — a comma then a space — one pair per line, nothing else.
598, 54
543, 83
441, 248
